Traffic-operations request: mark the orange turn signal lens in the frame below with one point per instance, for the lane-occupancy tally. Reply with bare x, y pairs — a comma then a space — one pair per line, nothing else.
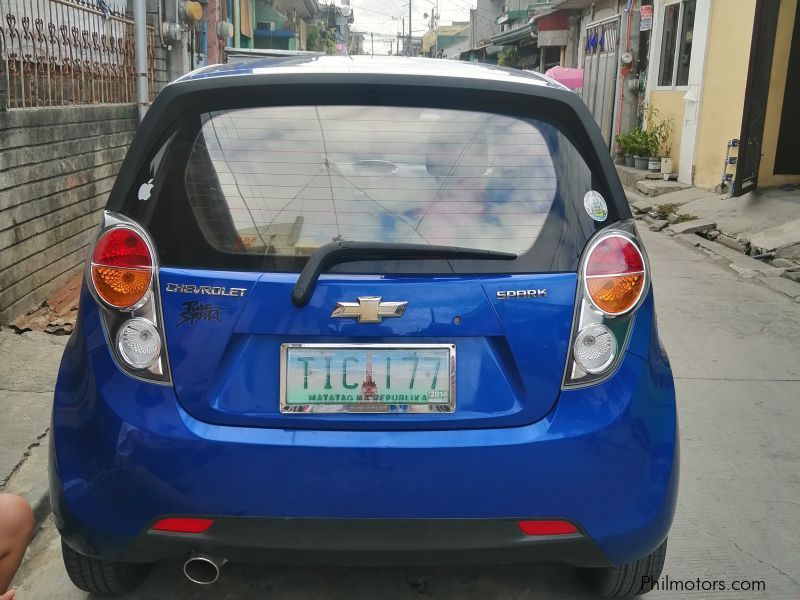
121, 267
120, 288
615, 294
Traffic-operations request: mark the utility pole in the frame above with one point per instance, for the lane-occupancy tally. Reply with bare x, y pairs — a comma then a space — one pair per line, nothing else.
436, 30
405, 49
410, 50
372, 41
140, 58
434, 25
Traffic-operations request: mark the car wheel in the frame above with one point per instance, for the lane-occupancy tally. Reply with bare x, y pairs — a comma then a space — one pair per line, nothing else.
629, 579
102, 577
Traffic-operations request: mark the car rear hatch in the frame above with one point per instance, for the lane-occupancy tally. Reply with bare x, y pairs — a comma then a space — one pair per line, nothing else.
237, 200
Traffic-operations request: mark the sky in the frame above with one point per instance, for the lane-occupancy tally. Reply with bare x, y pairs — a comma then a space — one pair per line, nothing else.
384, 18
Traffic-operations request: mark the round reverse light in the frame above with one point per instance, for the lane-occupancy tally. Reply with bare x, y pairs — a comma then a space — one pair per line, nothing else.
139, 343
595, 348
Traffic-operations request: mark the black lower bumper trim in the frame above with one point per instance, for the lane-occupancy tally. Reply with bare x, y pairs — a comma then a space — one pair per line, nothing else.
367, 542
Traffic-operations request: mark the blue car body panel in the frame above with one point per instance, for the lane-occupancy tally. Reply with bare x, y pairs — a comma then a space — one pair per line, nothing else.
126, 453
510, 354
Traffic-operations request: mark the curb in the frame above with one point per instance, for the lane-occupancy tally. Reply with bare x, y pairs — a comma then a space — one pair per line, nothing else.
745, 266
30, 481
684, 233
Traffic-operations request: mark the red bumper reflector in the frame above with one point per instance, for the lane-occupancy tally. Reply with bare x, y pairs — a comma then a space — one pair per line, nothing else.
547, 527
185, 525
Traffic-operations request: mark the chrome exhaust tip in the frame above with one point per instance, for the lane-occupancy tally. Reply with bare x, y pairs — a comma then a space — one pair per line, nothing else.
203, 569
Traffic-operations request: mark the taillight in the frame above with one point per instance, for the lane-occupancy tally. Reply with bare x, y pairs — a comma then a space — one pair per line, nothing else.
614, 274
122, 276
183, 525
122, 267
613, 283
547, 527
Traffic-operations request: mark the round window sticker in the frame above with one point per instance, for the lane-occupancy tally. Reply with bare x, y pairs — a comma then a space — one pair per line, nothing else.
595, 206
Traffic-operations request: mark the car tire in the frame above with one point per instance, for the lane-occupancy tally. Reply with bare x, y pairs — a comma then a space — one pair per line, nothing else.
102, 577
626, 580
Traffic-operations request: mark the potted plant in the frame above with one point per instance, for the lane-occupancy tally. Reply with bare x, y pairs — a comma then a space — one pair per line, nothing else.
658, 133
652, 145
666, 147
625, 144
639, 148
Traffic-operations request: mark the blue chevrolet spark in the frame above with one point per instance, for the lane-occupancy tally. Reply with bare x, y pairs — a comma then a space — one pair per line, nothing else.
365, 311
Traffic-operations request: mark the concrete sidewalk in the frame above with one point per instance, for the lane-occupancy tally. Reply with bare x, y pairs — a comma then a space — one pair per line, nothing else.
763, 225
28, 367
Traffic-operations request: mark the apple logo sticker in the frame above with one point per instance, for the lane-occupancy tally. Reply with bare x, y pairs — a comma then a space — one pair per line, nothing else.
145, 190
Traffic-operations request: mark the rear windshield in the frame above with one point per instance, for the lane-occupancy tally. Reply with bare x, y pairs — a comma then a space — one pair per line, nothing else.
263, 188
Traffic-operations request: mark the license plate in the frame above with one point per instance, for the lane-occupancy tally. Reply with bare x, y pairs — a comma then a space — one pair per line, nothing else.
368, 378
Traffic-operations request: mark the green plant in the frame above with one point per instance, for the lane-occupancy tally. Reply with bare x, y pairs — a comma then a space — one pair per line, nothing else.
637, 142
663, 210
321, 39
658, 132
651, 142
624, 141
508, 57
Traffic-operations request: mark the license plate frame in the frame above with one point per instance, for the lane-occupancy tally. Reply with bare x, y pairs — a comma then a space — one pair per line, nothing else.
437, 406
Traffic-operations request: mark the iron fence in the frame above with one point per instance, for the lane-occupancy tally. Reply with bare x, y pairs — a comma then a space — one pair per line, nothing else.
68, 52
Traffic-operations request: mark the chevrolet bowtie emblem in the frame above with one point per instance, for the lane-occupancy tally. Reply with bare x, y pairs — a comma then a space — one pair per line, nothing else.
368, 309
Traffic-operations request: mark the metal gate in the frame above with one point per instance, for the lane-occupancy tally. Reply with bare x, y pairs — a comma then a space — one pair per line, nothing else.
65, 52
765, 24
600, 72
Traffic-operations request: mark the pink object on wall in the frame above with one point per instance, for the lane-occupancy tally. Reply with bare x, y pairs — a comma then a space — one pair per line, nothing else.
572, 78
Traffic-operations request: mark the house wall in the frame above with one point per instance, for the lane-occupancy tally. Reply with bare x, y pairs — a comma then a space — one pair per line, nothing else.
57, 166
670, 105
682, 103
712, 105
777, 88
724, 82
598, 11
160, 59
482, 21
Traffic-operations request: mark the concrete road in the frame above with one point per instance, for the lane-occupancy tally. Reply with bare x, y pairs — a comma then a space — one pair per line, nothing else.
734, 346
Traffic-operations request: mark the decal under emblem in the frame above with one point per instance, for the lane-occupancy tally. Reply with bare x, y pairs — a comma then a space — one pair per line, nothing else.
368, 309
194, 311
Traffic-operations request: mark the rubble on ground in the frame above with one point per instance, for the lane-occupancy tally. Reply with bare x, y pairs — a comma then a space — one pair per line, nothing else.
56, 315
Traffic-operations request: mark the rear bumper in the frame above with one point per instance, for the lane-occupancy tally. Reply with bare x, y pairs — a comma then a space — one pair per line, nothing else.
124, 454
368, 542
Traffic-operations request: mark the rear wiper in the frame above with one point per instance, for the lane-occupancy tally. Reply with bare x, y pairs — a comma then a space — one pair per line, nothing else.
340, 252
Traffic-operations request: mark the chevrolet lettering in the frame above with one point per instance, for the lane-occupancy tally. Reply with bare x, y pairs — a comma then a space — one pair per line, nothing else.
207, 290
